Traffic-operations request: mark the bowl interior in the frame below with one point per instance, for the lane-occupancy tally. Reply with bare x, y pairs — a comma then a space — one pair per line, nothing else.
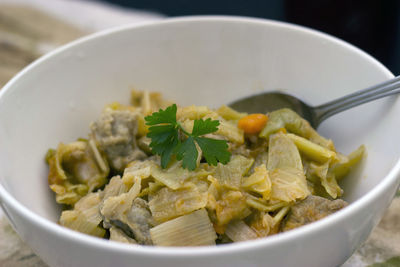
204, 62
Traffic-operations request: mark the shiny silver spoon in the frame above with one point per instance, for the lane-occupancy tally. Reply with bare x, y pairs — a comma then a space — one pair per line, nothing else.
269, 101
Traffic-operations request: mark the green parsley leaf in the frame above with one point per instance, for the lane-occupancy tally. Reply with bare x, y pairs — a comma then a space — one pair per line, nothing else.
187, 152
162, 133
162, 116
165, 133
202, 127
214, 150
164, 140
168, 152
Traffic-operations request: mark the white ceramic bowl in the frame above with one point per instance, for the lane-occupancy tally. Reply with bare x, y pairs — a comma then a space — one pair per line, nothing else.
206, 61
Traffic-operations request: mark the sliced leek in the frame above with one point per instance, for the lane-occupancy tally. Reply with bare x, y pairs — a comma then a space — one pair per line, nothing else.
283, 153
288, 185
167, 204
259, 182
312, 150
239, 231
230, 175
340, 169
230, 114
175, 176
193, 229
77, 220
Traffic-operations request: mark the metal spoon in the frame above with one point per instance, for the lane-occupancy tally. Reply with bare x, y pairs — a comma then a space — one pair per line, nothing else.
269, 101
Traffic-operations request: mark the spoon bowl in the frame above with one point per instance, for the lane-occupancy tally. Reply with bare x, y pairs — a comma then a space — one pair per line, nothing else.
270, 101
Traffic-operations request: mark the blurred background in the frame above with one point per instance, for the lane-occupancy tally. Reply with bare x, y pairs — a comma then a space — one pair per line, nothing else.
369, 24
30, 28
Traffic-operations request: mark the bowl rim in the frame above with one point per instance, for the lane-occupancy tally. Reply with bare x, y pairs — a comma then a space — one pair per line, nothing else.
274, 240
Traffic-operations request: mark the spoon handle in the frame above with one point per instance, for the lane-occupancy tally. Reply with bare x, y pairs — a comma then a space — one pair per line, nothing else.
386, 88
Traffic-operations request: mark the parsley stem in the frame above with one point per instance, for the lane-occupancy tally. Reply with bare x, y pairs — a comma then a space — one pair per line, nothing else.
183, 130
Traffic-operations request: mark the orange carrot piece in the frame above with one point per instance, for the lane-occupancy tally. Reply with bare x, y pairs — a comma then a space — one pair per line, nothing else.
253, 123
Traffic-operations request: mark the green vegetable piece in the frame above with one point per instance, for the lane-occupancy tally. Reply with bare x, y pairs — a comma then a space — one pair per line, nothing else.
165, 133
163, 116
202, 127
164, 140
214, 151
187, 152
292, 122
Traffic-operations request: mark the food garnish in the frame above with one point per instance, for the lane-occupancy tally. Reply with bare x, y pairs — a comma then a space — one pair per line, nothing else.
169, 138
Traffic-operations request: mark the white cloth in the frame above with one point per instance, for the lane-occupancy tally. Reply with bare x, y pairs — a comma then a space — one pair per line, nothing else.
90, 16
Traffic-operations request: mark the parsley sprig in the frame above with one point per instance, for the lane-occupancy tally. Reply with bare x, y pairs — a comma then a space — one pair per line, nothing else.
169, 138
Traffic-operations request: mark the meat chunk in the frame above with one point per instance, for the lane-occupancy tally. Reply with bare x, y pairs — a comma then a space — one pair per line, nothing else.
311, 209
135, 221
140, 221
115, 131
